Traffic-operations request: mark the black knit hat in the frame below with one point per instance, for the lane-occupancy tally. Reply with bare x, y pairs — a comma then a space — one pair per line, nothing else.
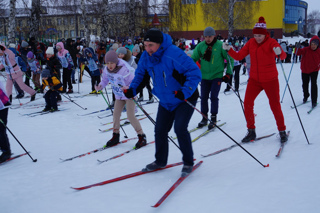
154, 35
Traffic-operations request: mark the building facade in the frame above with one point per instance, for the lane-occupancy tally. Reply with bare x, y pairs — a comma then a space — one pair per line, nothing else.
58, 22
282, 17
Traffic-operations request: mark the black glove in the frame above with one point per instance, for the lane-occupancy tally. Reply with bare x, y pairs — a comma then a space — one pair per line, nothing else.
179, 94
128, 93
2, 48
226, 78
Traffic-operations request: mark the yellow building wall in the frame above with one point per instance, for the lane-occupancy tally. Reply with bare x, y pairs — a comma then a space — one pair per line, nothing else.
272, 10
291, 28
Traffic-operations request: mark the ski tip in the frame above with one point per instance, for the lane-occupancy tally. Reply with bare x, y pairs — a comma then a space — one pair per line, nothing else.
77, 189
266, 165
155, 206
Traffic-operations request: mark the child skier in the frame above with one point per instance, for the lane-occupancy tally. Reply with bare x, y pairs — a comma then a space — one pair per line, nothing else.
35, 68
117, 74
67, 64
93, 65
52, 94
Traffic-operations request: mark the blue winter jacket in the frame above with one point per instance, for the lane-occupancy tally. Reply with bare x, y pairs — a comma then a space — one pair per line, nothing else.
171, 70
93, 62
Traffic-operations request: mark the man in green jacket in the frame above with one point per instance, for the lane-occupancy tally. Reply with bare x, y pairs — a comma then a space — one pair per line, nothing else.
212, 58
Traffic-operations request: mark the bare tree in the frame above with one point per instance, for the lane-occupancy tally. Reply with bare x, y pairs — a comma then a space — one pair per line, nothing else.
230, 14
12, 21
132, 19
35, 18
105, 20
85, 21
313, 20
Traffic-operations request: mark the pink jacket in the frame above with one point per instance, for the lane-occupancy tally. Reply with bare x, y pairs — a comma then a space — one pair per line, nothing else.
9, 56
123, 77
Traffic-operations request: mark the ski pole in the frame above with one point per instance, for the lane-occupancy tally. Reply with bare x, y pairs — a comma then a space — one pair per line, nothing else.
288, 76
295, 106
153, 121
226, 134
78, 75
125, 134
287, 83
238, 95
13, 81
34, 160
73, 102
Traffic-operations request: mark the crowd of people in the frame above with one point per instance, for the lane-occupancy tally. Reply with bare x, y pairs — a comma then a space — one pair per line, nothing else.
176, 70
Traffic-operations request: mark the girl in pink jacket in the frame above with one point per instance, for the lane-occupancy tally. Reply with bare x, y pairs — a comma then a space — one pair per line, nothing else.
118, 74
14, 74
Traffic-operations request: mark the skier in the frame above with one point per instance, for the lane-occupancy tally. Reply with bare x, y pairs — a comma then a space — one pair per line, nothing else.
52, 94
263, 76
4, 141
14, 74
117, 73
212, 67
35, 68
175, 78
67, 64
310, 65
94, 67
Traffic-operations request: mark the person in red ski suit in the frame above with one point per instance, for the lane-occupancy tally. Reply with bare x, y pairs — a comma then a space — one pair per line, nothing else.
263, 76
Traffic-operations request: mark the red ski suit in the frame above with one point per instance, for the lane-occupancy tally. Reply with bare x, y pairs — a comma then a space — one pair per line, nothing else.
263, 76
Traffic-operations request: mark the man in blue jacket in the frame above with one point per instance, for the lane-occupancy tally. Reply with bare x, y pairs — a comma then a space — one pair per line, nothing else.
175, 78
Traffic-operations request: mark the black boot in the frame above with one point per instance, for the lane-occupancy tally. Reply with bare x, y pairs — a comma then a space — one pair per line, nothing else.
251, 136
33, 97
20, 95
152, 166
283, 136
186, 170
114, 140
213, 122
5, 156
203, 122
142, 141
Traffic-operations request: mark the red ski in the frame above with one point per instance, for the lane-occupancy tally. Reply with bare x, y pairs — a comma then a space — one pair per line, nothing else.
14, 157
125, 177
175, 185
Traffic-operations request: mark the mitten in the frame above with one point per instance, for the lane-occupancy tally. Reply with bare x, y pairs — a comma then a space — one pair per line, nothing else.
128, 93
98, 87
226, 78
277, 50
179, 94
226, 46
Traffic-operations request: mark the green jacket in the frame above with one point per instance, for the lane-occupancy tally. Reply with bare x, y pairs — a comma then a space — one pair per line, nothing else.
215, 68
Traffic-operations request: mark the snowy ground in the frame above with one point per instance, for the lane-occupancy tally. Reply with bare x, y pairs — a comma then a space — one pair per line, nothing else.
229, 182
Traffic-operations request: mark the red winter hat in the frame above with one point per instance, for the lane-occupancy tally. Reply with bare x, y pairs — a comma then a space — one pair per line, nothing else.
260, 27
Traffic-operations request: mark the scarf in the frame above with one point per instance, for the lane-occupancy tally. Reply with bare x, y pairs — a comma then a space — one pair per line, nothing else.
207, 54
